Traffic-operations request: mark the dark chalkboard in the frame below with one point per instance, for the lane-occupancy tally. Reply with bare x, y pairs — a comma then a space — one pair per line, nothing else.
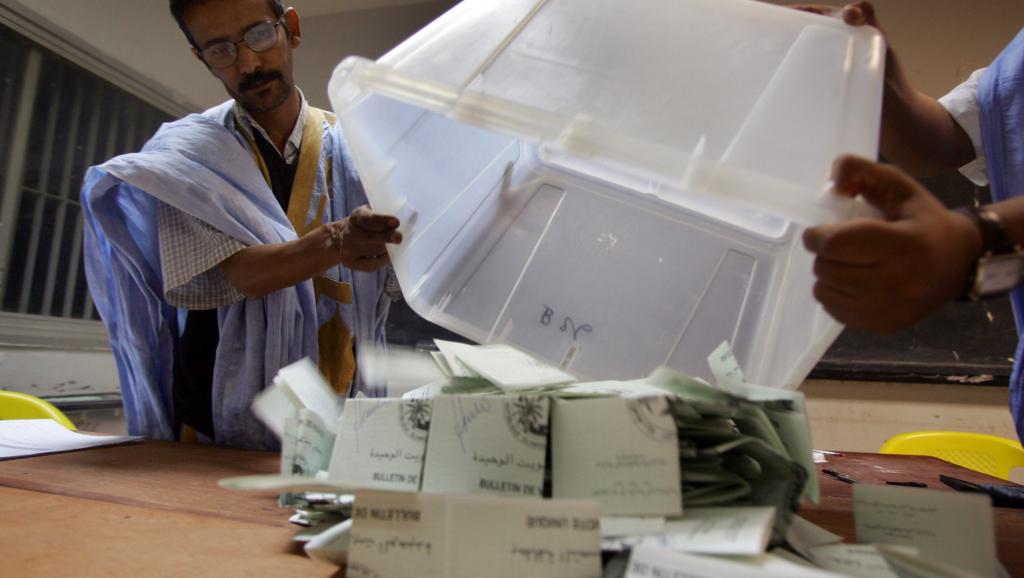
961, 343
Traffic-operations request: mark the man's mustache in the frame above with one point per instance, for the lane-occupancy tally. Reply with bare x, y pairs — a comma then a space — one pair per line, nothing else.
257, 78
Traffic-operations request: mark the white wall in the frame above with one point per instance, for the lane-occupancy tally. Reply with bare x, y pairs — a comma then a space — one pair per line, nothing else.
142, 37
940, 42
49, 372
328, 39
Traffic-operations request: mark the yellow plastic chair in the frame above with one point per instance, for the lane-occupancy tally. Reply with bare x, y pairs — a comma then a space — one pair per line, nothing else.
992, 455
15, 405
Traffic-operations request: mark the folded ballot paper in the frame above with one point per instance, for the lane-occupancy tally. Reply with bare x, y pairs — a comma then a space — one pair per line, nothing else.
545, 475
302, 409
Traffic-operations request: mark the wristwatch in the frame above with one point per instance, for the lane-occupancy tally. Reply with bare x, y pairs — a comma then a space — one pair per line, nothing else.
1000, 266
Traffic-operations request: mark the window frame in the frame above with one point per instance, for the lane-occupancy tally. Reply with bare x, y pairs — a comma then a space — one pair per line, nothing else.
38, 331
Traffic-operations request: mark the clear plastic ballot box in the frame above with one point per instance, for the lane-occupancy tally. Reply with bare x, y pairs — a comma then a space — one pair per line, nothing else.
614, 185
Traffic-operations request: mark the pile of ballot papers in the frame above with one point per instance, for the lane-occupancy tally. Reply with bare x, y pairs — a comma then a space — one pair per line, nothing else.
501, 462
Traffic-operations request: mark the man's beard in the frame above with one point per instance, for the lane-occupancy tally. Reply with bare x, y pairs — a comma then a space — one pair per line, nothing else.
257, 102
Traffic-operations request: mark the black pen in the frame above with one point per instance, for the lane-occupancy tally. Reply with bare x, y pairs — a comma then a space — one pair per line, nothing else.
839, 476
910, 484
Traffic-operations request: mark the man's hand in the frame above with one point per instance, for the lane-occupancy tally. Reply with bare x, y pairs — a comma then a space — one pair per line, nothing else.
854, 14
885, 275
918, 134
357, 242
361, 239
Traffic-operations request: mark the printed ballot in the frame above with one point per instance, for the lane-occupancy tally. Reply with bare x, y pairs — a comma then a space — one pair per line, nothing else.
306, 445
507, 367
624, 453
296, 386
653, 562
952, 528
734, 531
491, 445
404, 534
381, 443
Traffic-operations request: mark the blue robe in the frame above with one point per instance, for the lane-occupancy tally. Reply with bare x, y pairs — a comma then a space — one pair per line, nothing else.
1001, 106
201, 167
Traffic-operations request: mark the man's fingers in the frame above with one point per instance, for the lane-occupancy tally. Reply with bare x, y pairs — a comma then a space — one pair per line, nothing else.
860, 14
819, 9
854, 312
363, 242
366, 219
859, 241
854, 14
887, 188
850, 279
833, 298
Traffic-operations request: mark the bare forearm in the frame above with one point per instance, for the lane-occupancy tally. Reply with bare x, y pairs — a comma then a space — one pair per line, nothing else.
262, 269
918, 134
357, 242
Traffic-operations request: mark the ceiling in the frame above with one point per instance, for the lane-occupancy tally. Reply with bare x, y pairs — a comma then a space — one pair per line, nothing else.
321, 7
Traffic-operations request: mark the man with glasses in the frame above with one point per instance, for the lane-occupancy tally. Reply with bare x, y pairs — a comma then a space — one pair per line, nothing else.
236, 242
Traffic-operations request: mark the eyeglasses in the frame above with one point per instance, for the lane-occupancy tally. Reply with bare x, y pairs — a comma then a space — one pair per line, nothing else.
261, 37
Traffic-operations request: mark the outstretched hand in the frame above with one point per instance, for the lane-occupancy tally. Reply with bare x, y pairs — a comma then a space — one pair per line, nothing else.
886, 274
362, 238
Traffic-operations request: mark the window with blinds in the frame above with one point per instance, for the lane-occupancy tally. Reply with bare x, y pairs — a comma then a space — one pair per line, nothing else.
56, 120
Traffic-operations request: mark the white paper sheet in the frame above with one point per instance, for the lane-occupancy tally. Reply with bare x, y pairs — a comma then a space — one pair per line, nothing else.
428, 391
448, 351
951, 527
494, 445
509, 368
29, 437
275, 406
331, 545
381, 443
783, 562
614, 526
803, 535
284, 483
628, 389
857, 560
296, 386
458, 536
304, 380
653, 562
734, 531
624, 453
314, 443
724, 365
399, 369
917, 566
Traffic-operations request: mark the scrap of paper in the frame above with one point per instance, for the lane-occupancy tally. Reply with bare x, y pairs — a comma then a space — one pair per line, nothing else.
951, 528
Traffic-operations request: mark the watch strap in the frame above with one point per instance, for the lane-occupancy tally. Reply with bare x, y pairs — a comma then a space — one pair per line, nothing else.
995, 240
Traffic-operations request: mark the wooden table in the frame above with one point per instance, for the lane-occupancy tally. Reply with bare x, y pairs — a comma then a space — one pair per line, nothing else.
835, 512
154, 509
149, 509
